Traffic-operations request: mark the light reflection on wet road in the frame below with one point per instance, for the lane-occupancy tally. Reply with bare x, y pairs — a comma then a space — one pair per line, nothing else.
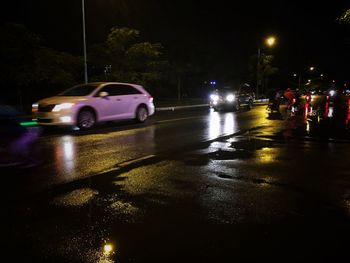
72, 156
69, 157
217, 201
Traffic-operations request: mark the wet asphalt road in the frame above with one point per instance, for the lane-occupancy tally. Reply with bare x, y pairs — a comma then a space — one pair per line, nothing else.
189, 186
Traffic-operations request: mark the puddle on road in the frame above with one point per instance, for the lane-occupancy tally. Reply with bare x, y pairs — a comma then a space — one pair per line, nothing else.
125, 211
232, 150
75, 198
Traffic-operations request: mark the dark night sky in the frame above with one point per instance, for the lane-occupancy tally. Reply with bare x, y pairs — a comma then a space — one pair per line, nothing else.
307, 31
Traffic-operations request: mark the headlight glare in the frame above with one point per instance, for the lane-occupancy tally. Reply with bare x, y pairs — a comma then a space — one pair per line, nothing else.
214, 97
62, 106
230, 98
35, 107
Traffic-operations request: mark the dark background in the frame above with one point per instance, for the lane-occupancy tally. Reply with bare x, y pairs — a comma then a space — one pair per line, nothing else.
221, 35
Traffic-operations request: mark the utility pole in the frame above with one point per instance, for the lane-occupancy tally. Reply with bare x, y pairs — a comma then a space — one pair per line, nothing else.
84, 42
257, 74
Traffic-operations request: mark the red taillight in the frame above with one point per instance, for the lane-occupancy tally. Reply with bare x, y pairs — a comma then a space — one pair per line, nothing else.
327, 97
294, 100
308, 97
150, 98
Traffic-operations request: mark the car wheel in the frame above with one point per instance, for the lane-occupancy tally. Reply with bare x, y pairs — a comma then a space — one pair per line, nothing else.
141, 114
86, 119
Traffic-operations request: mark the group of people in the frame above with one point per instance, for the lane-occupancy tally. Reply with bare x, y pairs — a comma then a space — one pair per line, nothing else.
276, 95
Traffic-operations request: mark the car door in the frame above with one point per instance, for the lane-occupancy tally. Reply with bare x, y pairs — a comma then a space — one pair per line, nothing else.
130, 98
112, 107
121, 101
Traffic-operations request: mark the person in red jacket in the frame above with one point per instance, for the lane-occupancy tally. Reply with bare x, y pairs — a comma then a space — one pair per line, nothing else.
290, 96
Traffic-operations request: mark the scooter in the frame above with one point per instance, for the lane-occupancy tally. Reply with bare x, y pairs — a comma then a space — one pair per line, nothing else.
273, 106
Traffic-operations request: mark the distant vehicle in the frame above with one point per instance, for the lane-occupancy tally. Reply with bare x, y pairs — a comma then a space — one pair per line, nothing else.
87, 104
228, 98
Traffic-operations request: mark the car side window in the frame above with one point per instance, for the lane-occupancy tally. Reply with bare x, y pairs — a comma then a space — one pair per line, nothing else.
244, 91
127, 90
110, 89
119, 89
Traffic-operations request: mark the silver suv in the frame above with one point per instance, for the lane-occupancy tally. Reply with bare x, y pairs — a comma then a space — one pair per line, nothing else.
86, 104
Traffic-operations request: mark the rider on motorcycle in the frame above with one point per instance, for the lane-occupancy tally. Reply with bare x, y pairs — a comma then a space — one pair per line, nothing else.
274, 100
291, 98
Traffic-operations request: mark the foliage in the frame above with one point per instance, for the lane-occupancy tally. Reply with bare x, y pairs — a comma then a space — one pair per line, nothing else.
266, 70
129, 60
28, 66
345, 17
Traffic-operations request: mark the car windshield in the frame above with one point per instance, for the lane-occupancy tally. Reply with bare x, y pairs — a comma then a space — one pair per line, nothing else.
80, 90
226, 90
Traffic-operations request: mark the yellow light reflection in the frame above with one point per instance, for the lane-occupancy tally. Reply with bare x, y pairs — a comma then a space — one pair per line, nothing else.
108, 249
307, 127
267, 155
107, 253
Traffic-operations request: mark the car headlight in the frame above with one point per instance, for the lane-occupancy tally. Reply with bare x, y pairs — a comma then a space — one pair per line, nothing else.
62, 106
230, 98
214, 97
35, 107
332, 93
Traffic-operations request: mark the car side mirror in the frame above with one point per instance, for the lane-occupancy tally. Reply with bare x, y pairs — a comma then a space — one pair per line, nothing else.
103, 94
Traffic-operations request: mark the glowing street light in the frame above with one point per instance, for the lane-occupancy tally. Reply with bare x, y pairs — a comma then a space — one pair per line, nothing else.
270, 41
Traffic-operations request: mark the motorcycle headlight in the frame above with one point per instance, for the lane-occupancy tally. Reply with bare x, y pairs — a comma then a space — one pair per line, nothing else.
332, 93
230, 98
62, 106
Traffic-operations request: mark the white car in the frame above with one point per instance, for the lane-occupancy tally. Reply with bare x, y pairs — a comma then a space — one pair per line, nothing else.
87, 104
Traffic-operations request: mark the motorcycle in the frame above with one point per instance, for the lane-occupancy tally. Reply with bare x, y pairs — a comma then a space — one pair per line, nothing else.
273, 106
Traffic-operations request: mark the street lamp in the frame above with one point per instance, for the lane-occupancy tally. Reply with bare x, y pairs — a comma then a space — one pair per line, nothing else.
84, 42
269, 41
